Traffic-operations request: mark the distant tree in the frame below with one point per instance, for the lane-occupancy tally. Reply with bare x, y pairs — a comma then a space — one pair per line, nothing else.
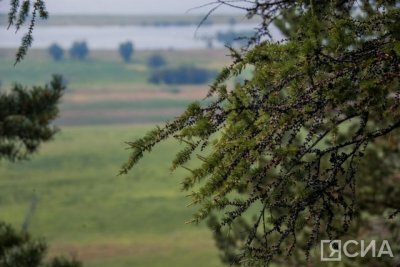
126, 51
79, 50
56, 52
20, 11
156, 61
181, 75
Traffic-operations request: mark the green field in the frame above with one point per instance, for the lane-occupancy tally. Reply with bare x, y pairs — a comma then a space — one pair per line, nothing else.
105, 90
102, 69
85, 210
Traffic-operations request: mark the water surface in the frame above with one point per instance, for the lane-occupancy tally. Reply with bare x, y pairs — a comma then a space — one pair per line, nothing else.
109, 37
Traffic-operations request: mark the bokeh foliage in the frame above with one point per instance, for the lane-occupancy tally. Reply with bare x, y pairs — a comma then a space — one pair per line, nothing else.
294, 154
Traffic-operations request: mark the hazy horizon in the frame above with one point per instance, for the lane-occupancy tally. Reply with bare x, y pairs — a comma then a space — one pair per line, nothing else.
125, 7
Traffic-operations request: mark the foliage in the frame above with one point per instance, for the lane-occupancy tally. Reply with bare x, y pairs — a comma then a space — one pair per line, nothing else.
20, 10
181, 75
126, 51
19, 249
156, 61
56, 52
79, 50
282, 153
25, 117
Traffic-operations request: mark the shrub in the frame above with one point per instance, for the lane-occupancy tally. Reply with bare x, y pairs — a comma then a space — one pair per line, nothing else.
182, 75
156, 61
19, 249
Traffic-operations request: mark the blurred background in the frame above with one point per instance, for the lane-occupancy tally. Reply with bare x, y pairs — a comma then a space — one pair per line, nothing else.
128, 65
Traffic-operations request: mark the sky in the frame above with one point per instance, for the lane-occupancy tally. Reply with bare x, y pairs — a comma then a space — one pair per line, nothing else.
179, 7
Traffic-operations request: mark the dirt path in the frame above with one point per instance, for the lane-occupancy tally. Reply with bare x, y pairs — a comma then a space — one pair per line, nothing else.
86, 115
101, 251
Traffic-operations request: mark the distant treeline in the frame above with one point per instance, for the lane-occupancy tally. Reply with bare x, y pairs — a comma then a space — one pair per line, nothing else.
136, 20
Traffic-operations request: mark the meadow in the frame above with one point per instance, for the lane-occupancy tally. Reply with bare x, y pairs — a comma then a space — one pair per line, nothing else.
104, 90
84, 209
102, 69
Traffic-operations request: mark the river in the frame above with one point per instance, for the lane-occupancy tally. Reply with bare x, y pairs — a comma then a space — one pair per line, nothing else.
109, 37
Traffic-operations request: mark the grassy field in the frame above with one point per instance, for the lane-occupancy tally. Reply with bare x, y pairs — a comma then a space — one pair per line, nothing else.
85, 210
105, 90
102, 69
